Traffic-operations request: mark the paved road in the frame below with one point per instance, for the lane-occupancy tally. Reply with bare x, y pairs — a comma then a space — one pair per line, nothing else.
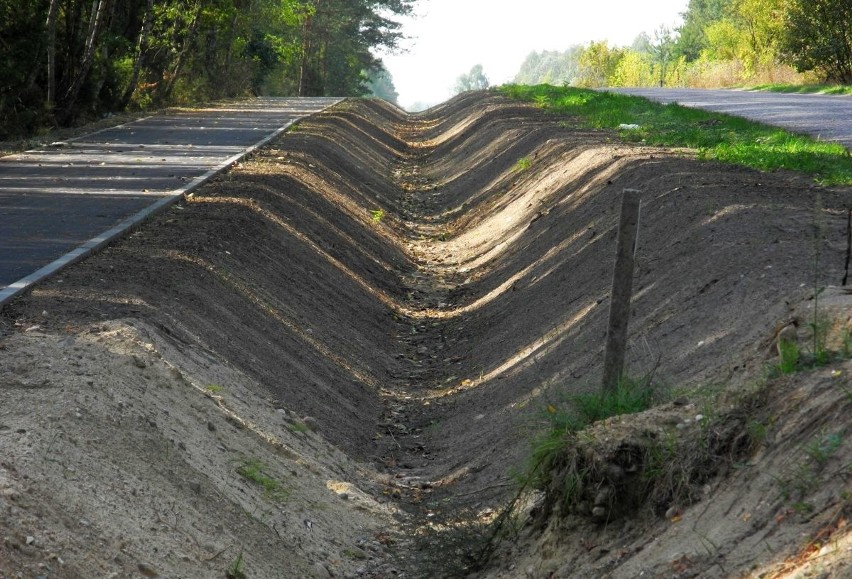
827, 117
61, 202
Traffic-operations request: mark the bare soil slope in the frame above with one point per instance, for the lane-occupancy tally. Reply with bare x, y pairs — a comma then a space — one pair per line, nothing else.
328, 361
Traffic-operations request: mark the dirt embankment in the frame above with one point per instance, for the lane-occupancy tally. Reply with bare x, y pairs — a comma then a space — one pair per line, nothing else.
328, 361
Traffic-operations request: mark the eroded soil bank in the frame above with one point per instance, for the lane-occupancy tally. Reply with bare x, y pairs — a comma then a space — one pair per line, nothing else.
329, 361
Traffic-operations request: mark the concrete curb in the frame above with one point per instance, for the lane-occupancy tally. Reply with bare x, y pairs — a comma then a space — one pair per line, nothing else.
15, 289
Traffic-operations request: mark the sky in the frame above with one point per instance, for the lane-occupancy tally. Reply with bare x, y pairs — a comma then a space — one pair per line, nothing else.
448, 37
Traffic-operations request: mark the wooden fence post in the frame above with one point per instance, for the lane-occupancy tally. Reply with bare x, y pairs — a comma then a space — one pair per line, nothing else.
622, 289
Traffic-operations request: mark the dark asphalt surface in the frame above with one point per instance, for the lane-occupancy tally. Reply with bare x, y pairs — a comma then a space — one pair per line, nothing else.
826, 117
55, 199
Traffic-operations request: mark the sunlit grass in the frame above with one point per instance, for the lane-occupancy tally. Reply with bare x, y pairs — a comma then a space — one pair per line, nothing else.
805, 88
713, 135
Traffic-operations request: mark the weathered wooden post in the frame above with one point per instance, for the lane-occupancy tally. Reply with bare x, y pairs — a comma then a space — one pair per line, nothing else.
622, 289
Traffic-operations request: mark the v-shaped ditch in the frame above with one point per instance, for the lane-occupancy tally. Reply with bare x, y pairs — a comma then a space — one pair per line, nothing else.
383, 306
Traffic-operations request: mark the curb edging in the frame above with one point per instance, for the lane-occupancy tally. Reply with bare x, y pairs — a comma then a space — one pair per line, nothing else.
24, 284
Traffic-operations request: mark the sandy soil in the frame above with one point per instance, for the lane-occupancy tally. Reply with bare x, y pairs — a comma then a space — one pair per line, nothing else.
329, 362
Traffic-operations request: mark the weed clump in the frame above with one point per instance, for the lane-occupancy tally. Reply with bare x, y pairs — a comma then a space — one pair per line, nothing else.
235, 569
522, 164
593, 464
377, 215
582, 410
254, 470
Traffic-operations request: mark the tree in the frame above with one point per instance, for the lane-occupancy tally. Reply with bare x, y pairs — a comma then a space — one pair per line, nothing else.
818, 37
61, 60
662, 48
763, 23
641, 44
473, 80
337, 39
550, 67
598, 64
634, 69
699, 14
725, 41
380, 83
24, 29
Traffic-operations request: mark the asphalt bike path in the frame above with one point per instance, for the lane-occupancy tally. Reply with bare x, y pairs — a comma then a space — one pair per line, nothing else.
60, 203
825, 117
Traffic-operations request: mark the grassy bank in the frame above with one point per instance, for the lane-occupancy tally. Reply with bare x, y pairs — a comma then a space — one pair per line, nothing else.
713, 135
836, 89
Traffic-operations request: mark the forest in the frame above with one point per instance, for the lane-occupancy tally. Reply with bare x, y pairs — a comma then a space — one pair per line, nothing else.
720, 43
66, 61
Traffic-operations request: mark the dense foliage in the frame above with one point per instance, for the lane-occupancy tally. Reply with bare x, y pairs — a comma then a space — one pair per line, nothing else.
65, 59
720, 43
819, 37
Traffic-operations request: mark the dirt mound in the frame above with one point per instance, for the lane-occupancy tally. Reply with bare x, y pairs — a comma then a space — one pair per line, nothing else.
348, 342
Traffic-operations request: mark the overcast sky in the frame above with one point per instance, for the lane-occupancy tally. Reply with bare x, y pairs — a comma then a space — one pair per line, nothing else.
451, 36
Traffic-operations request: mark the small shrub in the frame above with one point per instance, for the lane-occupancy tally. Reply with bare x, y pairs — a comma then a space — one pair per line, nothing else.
542, 101
821, 355
523, 164
757, 432
377, 215
789, 354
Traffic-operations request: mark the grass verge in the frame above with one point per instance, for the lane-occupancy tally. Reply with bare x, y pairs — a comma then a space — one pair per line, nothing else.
713, 135
838, 89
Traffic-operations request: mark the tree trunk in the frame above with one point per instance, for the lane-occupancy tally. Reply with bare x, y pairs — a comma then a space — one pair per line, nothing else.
70, 98
104, 60
304, 72
141, 51
52, 13
229, 52
323, 74
181, 57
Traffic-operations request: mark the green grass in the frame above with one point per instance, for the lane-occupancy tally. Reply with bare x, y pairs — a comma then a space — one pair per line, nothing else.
298, 427
789, 357
377, 215
235, 569
713, 135
523, 164
581, 410
255, 470
805, 88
